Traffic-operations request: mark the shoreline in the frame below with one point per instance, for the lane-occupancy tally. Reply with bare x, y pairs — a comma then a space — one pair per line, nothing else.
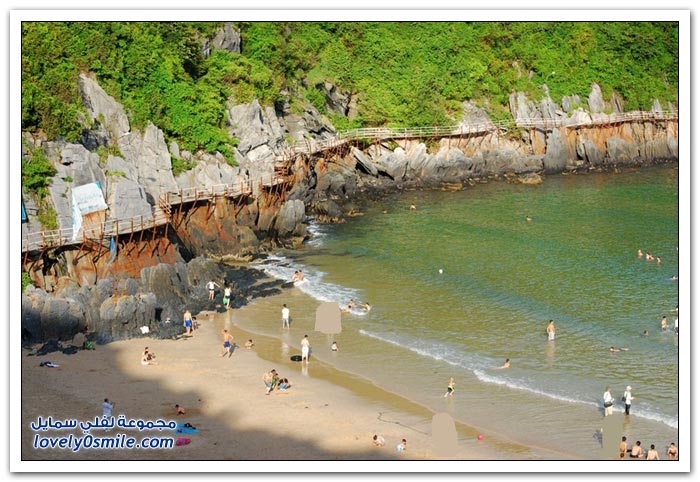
314, 420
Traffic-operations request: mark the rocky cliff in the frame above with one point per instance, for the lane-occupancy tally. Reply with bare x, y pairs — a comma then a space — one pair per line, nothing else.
135, 172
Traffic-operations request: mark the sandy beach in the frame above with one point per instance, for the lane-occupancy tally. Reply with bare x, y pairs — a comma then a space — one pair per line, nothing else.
226, 400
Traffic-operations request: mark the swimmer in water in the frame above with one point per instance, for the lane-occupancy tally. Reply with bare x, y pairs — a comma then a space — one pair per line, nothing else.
613, 349
506, 364
650, 257
528, 219
664, 323
645, 333
639, 253
412, 207
348, 308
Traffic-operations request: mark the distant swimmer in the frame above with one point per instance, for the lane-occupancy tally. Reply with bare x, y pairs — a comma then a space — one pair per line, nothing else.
674, 277
639, 253
550, 330
664, 323
613, 349
366, 306
528, 219
649, 257
658, 260
506, 364
295, 276
349, 307
412, 207
645, 333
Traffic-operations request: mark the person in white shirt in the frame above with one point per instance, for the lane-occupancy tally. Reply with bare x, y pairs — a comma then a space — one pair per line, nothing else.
627, 398
107, 408
285, 316
211, 285
608, 401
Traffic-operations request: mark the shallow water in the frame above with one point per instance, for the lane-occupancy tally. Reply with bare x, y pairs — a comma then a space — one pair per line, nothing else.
502, 279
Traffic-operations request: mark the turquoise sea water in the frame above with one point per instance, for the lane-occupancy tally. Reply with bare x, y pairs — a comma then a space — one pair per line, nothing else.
502, 279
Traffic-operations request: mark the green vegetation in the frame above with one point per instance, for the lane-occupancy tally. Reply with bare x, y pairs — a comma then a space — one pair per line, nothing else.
26, 280
37, 172
403, 73
47, 215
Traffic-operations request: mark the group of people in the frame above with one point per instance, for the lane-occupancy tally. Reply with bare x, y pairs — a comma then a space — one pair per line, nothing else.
148, 358
226, 300
609, 401
272, 380
637, 452
648, 256
379, 441
352, 304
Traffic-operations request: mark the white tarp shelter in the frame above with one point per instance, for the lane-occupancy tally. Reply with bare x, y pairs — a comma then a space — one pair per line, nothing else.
86, 199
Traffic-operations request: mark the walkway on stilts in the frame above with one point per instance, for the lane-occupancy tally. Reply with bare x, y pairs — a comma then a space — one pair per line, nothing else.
162, 213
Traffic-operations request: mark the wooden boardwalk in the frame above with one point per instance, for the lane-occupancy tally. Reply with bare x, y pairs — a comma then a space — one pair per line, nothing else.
161, 214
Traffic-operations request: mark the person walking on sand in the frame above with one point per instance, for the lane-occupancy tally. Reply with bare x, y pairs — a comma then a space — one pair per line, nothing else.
627, 398
551, 330
211, 285
608, 401
187, 317
285, 316
305, 349
227, 296
450, 387
227, 343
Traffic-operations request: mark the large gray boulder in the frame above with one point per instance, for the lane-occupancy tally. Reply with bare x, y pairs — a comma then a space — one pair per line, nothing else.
102, 108
227, 38
122, 316
559, 153
149, 155
255, 127
49, 317
125, 196
290, 219
362, 161
596, 103
336, 100
394, 164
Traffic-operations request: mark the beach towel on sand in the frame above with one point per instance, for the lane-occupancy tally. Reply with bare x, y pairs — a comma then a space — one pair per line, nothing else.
186, 428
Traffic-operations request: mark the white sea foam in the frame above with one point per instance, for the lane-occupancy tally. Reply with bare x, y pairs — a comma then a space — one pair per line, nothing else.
280, 267
480, 367
318, 233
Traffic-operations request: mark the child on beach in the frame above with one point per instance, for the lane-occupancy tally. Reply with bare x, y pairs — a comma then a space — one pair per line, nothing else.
450, 387
227, 343
249, 344
402, 446
334, 346
378, 440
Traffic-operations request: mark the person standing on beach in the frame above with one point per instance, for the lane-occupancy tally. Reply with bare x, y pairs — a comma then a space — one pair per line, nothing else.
627, 398
227, 296
305, 349
187, 317
550, 330
211, 285
285, 316
608, 401
450, 387
107, 408
227, 343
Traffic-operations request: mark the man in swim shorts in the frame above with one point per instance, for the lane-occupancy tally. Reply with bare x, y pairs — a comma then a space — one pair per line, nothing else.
550, 330
188, 322
305, 349
227, 343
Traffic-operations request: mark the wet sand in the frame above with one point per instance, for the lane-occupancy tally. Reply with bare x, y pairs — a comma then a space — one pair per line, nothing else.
225, 399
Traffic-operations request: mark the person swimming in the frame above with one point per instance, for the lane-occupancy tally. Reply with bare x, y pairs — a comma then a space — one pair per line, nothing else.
613, 349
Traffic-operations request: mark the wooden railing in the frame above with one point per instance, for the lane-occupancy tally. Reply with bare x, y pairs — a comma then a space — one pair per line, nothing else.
160, 214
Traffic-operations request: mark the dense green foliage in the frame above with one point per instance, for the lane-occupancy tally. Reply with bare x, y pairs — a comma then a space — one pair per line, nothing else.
403, 73
37, 172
